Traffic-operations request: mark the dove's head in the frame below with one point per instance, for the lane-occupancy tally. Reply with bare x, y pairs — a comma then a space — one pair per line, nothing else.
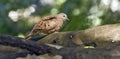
62, 16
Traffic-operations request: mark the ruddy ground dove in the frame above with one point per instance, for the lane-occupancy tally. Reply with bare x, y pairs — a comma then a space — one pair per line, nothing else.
48, 24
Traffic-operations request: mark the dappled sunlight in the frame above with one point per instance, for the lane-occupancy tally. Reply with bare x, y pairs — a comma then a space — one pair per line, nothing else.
105, 2
60, 2
33, 20
112, 4
28, 11
13, 15
21, 13
76, 12
115, 5
98, 10
54, 11
21, 35
47, 2
95, 16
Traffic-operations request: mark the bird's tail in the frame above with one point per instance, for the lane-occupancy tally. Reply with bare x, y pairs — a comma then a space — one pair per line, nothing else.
28, 36
33, 32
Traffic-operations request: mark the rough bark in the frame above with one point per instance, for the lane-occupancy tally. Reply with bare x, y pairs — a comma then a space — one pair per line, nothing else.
71, 42
101, 36
19, 48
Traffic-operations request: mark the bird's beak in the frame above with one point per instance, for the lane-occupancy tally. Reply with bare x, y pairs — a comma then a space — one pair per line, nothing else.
68, 19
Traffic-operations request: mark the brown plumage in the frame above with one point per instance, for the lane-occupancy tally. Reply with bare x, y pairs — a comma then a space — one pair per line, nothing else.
48, 24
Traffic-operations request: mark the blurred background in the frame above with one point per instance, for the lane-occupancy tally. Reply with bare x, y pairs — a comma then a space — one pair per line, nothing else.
17, 17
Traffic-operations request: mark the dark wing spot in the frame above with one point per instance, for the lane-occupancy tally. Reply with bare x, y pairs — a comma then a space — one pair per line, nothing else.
52, 18
36, 30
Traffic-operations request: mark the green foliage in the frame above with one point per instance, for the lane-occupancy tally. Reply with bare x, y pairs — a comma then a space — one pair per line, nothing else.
77, 11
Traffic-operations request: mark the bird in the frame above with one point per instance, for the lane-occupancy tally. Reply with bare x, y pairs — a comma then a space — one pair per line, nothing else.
48, 24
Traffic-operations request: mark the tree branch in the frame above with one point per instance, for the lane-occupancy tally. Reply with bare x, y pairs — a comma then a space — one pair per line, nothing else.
31, 46
71, 49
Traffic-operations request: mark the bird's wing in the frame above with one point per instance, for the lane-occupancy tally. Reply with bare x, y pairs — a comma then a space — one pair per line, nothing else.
45, 25
49, 18
39, 25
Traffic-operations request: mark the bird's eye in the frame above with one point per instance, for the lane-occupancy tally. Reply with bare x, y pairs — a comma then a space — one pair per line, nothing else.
64, 16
